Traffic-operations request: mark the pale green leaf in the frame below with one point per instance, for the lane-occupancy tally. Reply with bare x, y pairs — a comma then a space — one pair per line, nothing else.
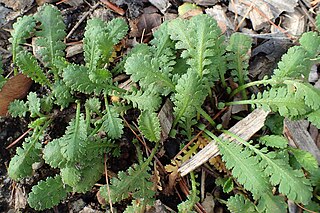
149, 125
47, 194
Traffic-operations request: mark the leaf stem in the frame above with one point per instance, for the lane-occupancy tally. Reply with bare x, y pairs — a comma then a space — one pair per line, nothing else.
244, 86
206, 116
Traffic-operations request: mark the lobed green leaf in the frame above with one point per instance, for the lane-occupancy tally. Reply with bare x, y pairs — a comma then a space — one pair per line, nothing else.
52, 33
29, 66
47, 194
149, 125
146, 70
22, 29
112, 124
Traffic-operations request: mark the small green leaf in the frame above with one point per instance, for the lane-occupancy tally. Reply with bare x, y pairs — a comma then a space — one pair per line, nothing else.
93, 104
112, 124
314, 118
52, 154
18, 108
306, 159
226, 183
240, 204
275, 141
46, 194
34, 104
51, 35
29, 66
149, 125
275, 124
70, 175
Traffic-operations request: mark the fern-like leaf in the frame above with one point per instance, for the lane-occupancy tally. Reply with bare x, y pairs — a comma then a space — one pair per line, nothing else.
112, 124
99, 39
270, 203
310, 41
135, 181
62, 94
70, 175
29, 66
18, 108
314, 118
46, 194
93, 104
22, 29
306, 91
238, 56
100, 76
33, 104
240, 204
306, 159
162, 43
198, 38
89, 175
189, 96
293, 64
51, 34
291, 182
75, 139
248, 172
146, 69
93, 38
53, 156
275, 141
116, 29
287, 103
149, 125
147, 100
163, 48
20, 165
77, 78
244, 167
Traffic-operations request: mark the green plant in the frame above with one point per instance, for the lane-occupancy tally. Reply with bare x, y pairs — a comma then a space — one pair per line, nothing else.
183, 62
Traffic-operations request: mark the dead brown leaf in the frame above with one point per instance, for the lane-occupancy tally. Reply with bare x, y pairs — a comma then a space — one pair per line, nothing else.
16, 87
145, 23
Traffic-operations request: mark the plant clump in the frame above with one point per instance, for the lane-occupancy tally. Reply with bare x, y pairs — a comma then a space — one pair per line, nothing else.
184, 61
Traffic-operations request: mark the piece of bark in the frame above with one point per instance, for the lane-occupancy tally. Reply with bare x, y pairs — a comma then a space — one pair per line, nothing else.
245, 129
299, 137
74, 50
166, 119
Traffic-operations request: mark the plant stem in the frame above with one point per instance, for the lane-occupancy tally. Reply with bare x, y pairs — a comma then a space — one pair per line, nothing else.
87, 117
206, 116
244, 86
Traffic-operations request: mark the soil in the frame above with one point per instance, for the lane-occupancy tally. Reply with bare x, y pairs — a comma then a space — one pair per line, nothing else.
13, 195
